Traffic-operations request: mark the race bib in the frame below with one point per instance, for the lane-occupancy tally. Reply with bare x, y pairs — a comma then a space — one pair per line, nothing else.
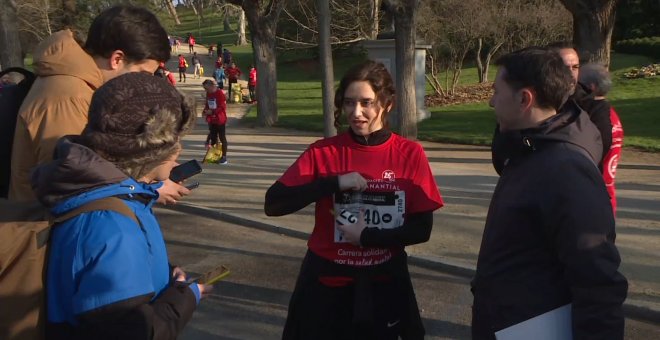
381, 210
212, 104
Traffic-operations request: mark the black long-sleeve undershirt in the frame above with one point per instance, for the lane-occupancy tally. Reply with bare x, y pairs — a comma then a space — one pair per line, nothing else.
282, 200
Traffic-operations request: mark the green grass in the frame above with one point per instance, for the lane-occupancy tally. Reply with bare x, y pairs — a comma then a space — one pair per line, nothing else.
462, 124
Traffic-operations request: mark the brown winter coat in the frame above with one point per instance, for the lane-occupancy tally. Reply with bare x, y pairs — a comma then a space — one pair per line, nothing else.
56, 106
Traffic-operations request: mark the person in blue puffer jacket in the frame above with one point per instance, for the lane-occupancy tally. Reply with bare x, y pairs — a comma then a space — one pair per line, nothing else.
108, 277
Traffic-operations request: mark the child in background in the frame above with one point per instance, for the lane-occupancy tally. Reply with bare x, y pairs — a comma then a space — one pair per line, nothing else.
252, 83
220, 77
215, 111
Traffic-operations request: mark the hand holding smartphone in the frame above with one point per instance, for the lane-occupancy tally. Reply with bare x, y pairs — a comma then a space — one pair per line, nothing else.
185, 170
213, 276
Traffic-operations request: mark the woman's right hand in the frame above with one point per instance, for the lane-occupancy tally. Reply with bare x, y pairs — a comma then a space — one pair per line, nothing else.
352, 181
204, 290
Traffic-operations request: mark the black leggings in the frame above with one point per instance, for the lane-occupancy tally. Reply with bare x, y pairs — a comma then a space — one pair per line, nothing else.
182, 73
215, 131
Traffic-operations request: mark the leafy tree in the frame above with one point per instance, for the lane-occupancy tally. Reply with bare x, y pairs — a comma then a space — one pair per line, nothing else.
637, 19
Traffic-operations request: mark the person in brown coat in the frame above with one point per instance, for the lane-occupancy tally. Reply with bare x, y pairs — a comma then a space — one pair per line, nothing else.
68, 74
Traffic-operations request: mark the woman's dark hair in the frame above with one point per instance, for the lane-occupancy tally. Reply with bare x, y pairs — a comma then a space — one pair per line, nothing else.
381, 83
133, 30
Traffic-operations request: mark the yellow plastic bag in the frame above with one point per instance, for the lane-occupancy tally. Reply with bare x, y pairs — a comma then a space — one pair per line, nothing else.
213, 154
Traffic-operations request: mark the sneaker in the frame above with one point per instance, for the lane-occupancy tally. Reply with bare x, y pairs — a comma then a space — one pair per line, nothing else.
223, 160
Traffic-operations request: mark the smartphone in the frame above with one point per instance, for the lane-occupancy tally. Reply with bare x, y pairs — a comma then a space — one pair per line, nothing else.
192, 185
185, 170
213, 276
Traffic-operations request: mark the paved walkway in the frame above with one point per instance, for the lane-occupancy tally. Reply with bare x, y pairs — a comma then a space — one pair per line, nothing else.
258, 156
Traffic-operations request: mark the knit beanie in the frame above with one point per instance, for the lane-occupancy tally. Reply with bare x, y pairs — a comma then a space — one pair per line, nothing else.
136, 121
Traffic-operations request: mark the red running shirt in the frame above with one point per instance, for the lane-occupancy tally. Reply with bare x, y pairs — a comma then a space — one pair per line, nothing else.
399, 179
217, 103
611, 159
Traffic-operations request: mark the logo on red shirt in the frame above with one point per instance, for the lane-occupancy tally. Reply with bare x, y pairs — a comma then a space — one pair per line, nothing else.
389, 175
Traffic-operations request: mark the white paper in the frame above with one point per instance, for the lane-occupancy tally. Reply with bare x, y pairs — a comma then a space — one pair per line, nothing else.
553, 325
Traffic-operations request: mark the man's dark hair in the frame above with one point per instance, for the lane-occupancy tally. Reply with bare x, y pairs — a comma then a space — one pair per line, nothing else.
541, 69
134, 30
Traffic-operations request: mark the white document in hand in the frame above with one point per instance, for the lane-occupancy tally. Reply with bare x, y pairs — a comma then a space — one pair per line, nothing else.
553, 325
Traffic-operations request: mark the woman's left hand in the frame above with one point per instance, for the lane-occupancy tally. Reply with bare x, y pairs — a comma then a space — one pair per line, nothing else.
352, 232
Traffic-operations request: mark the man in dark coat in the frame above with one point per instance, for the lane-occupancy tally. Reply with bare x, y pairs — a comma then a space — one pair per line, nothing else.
549, 235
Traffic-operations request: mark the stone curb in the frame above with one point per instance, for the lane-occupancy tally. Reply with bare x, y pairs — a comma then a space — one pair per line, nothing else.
639, 310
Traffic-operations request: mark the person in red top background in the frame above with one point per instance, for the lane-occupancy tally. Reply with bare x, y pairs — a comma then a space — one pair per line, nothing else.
232, 72
374, 194
252, 83
191, 43
183, 65
215, 111
597, 79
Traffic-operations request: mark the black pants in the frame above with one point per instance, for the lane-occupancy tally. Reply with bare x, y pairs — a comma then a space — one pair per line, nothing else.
365, 310
253, 96
215, 131
182, 73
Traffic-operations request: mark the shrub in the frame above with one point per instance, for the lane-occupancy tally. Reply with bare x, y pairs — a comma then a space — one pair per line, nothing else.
649, 46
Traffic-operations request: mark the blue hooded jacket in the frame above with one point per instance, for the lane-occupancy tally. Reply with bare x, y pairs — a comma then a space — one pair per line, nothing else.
101, 257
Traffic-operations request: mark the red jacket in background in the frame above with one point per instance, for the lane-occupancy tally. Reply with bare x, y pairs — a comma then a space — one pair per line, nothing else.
233, 73
170, 78
611, 159
253, 77
217, 103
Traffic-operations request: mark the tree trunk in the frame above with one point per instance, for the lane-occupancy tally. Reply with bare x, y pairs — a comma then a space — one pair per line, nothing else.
191, 3
225, 22
172, 10
480, 65
593, 23
199, 5
263, 27
241, 40
405, 18
11, 53
489, 57
325, 58
375, 14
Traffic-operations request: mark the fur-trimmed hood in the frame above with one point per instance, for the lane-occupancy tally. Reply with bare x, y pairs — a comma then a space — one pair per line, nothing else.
136, 122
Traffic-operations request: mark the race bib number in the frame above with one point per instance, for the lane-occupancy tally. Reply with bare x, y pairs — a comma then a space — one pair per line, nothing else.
383, 210
212, 104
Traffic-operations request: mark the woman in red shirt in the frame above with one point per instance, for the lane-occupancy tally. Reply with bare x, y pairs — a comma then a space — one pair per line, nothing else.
215, 111
374, 194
